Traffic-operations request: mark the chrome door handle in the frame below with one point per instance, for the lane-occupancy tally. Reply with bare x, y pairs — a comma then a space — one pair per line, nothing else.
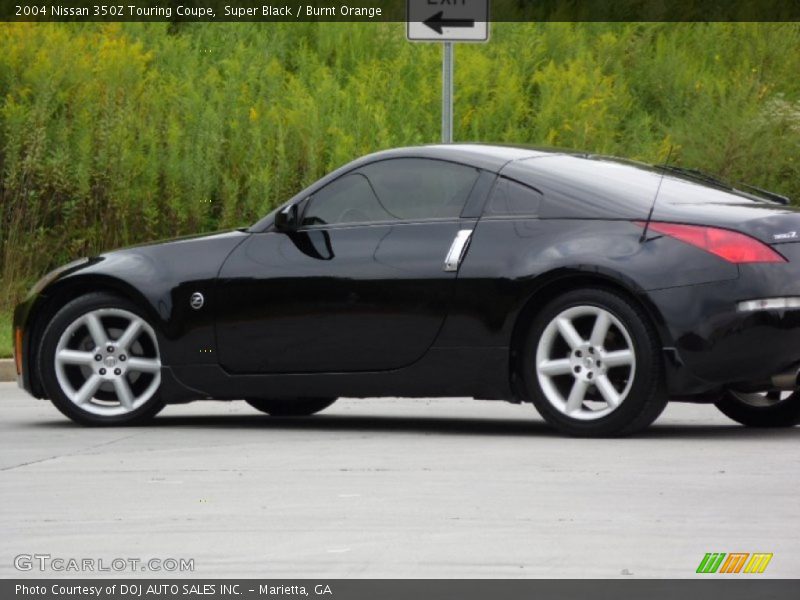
457, 249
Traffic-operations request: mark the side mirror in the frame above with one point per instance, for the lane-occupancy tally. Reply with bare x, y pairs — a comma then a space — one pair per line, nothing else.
286, 220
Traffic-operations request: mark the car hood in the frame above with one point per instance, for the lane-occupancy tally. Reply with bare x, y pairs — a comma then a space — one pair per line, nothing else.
192, 257
154, 264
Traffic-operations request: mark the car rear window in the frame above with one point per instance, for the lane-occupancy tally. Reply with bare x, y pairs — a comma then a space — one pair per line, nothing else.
511, 198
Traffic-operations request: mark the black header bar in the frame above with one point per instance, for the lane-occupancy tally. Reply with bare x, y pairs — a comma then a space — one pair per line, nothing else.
366, 11
398, 589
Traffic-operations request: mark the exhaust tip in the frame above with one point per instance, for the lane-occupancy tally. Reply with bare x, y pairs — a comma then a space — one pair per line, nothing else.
788, 380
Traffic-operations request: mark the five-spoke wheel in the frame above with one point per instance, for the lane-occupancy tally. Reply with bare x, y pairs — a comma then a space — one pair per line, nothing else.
100, 361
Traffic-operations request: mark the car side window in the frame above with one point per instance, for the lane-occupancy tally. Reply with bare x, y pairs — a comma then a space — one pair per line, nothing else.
512, 198
417, 188
349, 199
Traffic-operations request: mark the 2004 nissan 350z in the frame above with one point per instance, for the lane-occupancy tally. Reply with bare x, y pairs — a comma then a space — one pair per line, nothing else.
593, 287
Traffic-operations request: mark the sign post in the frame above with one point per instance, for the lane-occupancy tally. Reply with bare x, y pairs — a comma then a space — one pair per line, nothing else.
447, 93
447, 21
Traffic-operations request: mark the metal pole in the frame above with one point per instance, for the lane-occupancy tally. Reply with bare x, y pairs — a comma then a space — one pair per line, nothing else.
447, 93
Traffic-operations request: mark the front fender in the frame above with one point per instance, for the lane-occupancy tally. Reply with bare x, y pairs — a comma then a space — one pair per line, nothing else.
158, 278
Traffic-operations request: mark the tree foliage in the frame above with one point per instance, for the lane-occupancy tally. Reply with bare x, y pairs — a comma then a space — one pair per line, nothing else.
112, 134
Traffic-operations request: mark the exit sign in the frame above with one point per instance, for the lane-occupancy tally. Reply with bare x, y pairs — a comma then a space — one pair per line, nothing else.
447, 20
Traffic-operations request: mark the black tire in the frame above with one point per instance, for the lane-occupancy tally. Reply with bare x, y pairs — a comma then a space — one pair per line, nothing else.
47, 369
646, 397
290, 407
783, 413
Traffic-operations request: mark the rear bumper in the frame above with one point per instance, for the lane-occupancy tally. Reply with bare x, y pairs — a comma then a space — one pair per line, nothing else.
714, 344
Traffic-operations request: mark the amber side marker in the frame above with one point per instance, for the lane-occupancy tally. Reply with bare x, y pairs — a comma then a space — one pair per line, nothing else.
18, 350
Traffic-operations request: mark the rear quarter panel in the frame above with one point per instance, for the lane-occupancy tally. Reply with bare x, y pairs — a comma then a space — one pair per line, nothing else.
510, 259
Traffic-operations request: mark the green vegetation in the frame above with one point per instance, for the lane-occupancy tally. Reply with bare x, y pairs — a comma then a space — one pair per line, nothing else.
112, 134
5, 334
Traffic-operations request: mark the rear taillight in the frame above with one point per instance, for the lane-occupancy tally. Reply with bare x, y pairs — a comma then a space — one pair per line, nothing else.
729, 245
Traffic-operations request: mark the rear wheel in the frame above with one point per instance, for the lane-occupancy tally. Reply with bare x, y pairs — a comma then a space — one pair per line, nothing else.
761, 409
100, 363
291, 407
592, 365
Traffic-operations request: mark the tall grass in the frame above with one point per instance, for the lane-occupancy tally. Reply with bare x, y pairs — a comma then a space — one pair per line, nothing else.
112, 134
6, 341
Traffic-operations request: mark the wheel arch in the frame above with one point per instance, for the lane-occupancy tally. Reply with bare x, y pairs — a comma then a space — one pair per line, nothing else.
58, 295
551, 285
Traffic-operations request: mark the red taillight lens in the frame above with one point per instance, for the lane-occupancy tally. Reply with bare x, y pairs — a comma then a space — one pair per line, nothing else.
729, 245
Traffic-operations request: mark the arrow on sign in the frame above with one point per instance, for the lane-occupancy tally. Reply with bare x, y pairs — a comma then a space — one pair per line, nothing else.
436, 22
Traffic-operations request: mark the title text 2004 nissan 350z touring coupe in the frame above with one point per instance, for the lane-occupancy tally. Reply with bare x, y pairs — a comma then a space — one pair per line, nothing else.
593, 287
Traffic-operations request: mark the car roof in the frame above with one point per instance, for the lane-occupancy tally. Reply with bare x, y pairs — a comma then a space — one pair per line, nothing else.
592, 184
485, 156
579, 184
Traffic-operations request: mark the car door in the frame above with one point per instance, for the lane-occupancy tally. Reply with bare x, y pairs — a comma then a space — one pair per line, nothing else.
361, 285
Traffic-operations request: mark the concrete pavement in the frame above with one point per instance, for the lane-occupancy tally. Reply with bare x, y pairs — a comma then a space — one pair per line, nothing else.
396, 488
7, 370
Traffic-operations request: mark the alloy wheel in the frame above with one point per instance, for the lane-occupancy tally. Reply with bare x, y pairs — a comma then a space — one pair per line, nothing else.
107, 362
585, 362
762, 399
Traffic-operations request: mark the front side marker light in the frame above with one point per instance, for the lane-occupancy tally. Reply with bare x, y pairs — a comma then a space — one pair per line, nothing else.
791, 303
18, 350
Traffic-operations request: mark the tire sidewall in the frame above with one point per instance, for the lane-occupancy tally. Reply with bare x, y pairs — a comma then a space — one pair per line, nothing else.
784, 414
290, 407
647, 376
46, 362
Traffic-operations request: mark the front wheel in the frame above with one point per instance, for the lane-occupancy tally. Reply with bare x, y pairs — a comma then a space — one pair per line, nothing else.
761, 409
100, 363
290, 407
592, 365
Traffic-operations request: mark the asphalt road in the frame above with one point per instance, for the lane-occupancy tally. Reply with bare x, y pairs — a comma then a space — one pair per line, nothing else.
396, 488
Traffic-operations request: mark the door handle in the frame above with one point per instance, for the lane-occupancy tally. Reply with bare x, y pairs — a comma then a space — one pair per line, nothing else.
457, 249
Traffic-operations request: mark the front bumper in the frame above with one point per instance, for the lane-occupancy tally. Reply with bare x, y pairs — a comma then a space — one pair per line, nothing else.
22, 349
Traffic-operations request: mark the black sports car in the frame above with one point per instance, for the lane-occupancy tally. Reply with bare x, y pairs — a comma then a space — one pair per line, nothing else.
593, 287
